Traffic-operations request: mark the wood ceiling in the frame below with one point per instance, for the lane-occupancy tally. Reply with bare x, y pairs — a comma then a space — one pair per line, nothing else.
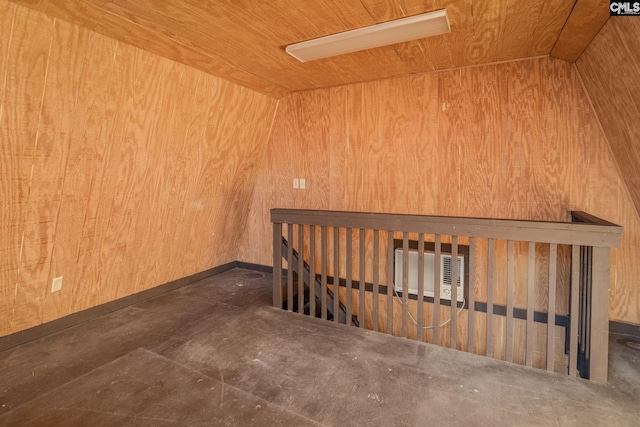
243, 40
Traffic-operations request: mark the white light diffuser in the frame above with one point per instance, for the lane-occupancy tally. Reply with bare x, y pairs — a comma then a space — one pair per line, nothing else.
398, 31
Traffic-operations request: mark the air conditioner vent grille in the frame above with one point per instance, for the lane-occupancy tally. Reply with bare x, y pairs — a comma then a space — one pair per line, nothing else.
447, 271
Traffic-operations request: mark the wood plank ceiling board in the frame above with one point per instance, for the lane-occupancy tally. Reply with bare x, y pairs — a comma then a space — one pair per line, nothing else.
302, 24
427, 54
250, 43
585, 21
516, 31
551, 21
215, 32
244, 41
95, 18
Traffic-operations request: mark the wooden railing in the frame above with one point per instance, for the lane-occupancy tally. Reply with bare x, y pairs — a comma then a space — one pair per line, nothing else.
524, 283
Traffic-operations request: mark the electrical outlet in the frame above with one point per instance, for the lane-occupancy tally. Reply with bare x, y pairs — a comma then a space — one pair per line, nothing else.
296, 183
303, 184
56, 284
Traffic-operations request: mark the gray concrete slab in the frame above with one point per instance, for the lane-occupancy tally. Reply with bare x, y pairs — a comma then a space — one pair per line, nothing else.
143, 388
216, 353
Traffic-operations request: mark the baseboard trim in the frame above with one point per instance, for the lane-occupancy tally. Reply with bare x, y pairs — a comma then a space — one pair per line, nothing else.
623, 328
255, 267
31, 334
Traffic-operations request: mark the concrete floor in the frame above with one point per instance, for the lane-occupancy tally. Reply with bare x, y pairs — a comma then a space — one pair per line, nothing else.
216, 353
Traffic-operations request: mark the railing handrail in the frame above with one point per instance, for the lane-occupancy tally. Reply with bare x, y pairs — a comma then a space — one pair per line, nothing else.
595, 232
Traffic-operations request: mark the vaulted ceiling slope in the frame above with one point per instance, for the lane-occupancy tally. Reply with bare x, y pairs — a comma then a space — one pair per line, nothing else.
610, 70
243, 40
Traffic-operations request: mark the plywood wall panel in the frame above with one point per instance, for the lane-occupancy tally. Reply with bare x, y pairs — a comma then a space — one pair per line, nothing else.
625, 300
371, 157
609, 68
455, 109
475, 159
549, 176
7, 18
82, 214
513, 140
26, 70
336, 195
522, 138
121, 170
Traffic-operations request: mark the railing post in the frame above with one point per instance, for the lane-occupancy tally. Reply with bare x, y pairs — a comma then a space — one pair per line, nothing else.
277, 265
599, 343
290, 267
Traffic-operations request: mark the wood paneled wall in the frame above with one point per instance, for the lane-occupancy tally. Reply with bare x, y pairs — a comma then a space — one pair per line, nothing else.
610, 69
119, 170
512, 140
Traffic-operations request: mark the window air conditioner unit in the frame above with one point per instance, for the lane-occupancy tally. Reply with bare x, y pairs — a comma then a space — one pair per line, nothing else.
445, 265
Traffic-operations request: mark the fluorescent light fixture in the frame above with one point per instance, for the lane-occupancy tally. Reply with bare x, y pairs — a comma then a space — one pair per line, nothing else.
391, 32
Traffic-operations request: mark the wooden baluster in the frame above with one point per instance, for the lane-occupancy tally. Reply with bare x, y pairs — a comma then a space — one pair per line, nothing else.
349, 273
490, 274
323, 269
405, 281
551, 310
376, 279
300, 268
290, 267
472, 293
362, 281
312, 270
510, 289
436, 290
420, 299
277, 265
574, 316
454, 292
390, 281
336, 274
531, 271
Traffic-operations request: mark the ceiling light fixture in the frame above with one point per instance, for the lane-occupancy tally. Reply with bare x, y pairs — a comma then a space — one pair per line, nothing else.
391, 32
